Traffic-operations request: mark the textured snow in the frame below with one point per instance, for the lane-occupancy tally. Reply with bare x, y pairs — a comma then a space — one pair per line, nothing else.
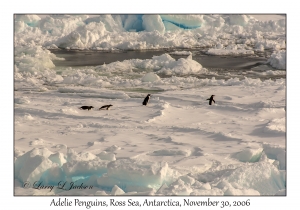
102, 32
150, 77
140, 158
278, 59
177, 144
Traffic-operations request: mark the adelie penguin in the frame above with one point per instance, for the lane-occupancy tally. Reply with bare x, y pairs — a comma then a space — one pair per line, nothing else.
107, 107
211, 99
86, 107
146, 100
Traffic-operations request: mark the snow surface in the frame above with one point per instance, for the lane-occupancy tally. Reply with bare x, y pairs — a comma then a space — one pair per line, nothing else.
111, 32
278, 59
177, 144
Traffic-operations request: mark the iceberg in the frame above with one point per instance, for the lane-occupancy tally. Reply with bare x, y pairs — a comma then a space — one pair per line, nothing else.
146, 31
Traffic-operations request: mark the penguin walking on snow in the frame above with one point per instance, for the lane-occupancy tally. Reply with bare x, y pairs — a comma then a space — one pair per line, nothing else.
86, 107
211, 99
107, 107
146, 100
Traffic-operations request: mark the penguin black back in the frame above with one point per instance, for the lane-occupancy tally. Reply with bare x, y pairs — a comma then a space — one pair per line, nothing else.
146, 100
86, 107
211, 99
105, 107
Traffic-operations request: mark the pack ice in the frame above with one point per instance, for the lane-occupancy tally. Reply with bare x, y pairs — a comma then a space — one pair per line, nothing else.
176, 145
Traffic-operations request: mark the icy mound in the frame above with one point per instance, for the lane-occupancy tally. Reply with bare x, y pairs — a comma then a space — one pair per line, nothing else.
278, 59
178, 187
182, 67
34, 67
238, 19
117, 191
58, 25
163, 64
146, 31
75, 168
33, 59
71, 41
248, 155
276, 126
153, 22
261, 176
109, 21
128, 172
261, 45
160, 113
58, 158
150, 77
30, 20
188, 21
107, 156
275, 152
31, 165
140, 177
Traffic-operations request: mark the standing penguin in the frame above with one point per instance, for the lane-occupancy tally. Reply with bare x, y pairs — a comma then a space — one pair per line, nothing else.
211, 99
146, 100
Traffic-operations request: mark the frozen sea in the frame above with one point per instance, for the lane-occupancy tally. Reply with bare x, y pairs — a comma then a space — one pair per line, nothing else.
176, 145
